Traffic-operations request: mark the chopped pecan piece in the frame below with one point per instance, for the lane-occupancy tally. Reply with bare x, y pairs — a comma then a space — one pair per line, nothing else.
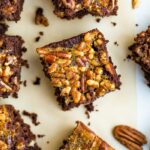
130, 137
79, 68
82, 138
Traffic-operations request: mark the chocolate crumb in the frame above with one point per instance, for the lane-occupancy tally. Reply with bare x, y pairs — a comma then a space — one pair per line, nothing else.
32, 116
116, 43
37, 39
97, 110
24, 49
114, 23
129, 57
89, 124
41, 33
87, 114
37, 81
136, 25
98, 20
48, 142
40, 135
15, 95
40, 19
25, 83
25, 63
89, 107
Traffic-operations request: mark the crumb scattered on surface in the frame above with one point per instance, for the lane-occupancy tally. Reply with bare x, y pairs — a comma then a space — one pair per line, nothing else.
37, 39
136, 25
37, 81
129, 57
116, 43
98, 20
48, 142
15, 95
40, 19
32, 116
97, 110
24, 49
25, 83
87, 114
114, 23
25, 63
40, 135
41, 33
89, 124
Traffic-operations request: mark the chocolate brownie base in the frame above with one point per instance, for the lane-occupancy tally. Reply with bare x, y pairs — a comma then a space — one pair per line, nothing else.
10, 59
140, 52
79, 68
73, 8
11, 9
14, 133
85, 139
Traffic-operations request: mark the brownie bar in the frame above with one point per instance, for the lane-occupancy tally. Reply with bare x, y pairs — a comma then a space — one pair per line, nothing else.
79, 68
10, 64
14, 133
70, 9
84, 139
141, 52
11, 9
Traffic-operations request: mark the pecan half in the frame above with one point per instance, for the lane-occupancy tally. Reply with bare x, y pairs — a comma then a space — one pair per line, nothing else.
129, 137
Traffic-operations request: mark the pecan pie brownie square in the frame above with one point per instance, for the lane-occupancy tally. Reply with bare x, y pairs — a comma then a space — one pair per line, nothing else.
14, 133
70, 9
84, 139
79, 68
11, 9
10, 64
140, 52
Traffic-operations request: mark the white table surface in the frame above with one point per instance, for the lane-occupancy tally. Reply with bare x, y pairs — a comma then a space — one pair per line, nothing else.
143, 91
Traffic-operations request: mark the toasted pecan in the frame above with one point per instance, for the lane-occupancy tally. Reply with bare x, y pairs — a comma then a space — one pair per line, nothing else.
130, 137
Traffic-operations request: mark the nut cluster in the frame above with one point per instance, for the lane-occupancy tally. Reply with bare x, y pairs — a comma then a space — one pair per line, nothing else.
8, 79
80, 70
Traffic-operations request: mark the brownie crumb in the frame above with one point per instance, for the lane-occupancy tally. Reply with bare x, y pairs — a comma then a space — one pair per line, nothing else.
24, 49
32, 116
37, 81
87, 114
129, 57
136, 25
41, 33
89, 107
116, 43
40, 19
3, 28
48, 142
96, 110
25, 63
37, 39
25, 83
114, 23
15, 95
89, 124
40, 135
98, 20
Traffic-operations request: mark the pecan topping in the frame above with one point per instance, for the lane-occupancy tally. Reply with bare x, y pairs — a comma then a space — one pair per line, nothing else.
83, 71
130, 137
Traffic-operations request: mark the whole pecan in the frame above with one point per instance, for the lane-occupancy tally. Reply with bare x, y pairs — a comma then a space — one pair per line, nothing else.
130, 137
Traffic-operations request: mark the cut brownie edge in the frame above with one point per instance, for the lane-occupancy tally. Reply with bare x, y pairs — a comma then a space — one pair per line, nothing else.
14, 133
11, 61
108, 70
77, 9
140, 52
84, 138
